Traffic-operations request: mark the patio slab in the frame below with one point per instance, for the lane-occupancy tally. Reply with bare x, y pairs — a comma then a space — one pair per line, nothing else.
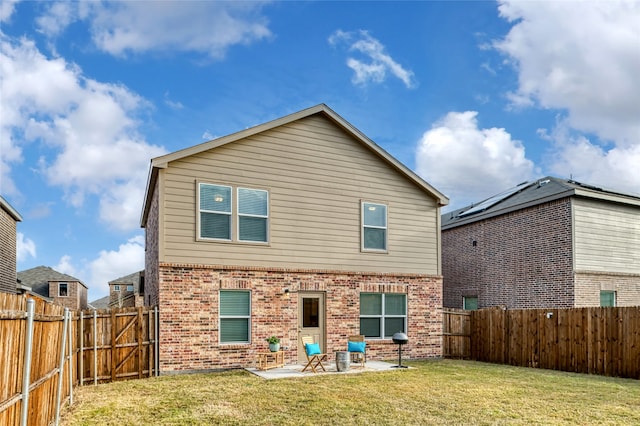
295, 370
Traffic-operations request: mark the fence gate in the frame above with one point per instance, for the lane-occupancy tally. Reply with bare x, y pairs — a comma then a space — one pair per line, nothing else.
456, 333
118, 344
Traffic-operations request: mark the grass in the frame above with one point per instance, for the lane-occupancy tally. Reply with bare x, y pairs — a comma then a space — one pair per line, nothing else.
432, 392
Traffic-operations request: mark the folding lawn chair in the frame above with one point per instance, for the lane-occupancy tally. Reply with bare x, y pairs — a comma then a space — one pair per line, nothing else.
313, 353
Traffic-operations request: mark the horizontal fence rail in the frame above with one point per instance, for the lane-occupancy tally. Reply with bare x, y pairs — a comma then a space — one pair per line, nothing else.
604, 341
46, 350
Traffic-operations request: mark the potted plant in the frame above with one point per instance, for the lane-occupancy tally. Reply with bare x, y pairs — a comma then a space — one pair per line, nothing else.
274, 343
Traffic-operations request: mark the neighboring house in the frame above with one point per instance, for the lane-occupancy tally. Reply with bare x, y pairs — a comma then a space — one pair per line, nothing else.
59, 288
300, 226
127, 291
552, 243
8, 221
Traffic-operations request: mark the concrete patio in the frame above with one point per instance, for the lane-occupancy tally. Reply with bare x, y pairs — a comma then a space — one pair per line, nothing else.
295, 370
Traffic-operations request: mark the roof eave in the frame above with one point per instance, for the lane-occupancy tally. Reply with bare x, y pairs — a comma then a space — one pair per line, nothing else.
163, 161
498, 212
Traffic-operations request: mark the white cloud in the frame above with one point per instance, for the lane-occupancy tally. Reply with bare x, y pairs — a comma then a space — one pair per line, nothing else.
112, 264
575, 156
375, 64
25, 247
207, 135
7, 8
467, 163
172, 104
91, 127
64, 266
120, 28
58, 16
583, 58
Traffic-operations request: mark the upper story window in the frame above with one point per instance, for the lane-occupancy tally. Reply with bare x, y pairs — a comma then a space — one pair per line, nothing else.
374, 226
218, 212
129, 288
116, 287
63, 289
215, 211
253, 213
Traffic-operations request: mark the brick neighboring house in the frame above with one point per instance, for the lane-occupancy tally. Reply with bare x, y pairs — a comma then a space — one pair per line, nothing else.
299, 226
55, 286
552, 243
127, 291
9, 218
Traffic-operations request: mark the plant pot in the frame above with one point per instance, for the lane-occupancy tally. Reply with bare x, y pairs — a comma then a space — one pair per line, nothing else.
274, 347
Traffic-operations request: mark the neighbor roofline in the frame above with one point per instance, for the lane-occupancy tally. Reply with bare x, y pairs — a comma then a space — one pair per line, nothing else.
163, 161
570, 192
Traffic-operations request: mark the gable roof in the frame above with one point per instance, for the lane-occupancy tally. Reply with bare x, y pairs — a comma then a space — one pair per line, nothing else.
102, 303
38, 279
163, 161
529, 194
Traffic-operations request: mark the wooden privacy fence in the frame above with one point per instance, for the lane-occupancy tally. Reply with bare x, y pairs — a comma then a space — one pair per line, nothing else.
45, 350
604, 341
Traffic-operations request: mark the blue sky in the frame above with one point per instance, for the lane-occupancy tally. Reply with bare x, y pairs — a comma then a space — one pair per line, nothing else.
476, 97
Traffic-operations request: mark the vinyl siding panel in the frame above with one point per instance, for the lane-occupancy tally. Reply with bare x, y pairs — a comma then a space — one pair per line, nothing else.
607, 236
316, 175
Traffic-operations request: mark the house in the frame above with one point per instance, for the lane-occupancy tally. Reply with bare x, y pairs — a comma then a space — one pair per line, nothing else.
551, 243
55, 286
299, 226
9, 218
127, 291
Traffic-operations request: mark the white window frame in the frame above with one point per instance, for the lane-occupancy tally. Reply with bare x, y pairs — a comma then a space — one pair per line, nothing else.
60, 284
201, 210
116, 287
367, 204
384, 316
239, 215
129, 287
221, 317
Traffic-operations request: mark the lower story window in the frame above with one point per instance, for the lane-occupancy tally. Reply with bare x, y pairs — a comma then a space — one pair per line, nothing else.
470, 303
607, 298
382, 314
235, 316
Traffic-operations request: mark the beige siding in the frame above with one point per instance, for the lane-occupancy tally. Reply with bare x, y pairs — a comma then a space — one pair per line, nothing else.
607, 237
316, 176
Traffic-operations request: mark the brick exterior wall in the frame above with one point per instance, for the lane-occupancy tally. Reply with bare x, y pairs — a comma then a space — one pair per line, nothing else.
522, 259
76, 297
7, 252
589, 285
189, 313
151, 255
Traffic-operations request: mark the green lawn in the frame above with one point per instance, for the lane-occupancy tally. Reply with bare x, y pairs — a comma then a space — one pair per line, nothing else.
432, 392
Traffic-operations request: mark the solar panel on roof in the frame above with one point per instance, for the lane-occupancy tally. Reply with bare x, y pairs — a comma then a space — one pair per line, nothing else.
493, 200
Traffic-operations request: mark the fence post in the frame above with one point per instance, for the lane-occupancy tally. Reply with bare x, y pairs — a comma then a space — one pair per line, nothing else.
26, 373
157, 341
95, 347
81, 354
61, 369
70, 337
